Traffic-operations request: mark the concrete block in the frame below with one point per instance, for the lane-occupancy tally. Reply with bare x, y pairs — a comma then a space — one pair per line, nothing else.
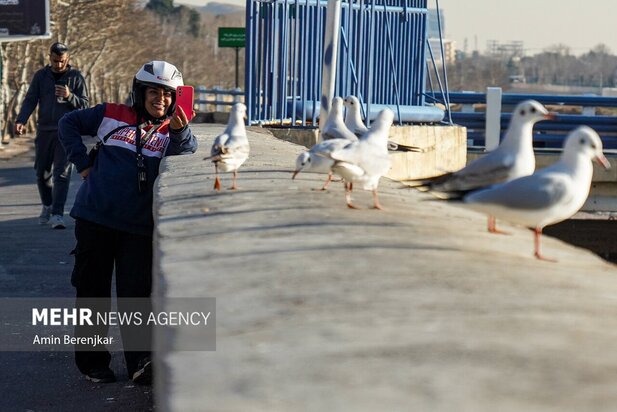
221, 117
304, 137
445, 150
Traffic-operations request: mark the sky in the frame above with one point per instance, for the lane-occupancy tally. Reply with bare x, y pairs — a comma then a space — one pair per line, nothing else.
581, 25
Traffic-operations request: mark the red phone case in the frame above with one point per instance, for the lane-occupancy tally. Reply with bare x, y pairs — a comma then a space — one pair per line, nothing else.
184, 99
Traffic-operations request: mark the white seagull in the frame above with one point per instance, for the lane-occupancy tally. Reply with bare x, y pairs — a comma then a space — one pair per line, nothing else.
366, 160
335, 128
550, 195
317, 159
513, 158
353, 121
231, 148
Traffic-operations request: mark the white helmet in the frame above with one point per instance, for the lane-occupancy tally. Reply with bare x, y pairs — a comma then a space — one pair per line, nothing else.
157, 74
160, 73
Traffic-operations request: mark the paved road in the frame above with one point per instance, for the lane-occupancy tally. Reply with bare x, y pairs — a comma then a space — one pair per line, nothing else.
35, 262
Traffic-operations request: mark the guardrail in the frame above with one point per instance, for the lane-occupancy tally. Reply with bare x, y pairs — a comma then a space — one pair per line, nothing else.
216, 99
486, 128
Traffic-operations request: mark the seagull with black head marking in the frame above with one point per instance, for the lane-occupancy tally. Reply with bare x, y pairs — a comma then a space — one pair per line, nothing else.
513, 158
317, 159
231, 148
550, 195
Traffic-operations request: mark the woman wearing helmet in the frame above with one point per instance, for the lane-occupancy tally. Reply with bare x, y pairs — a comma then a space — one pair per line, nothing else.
113, 207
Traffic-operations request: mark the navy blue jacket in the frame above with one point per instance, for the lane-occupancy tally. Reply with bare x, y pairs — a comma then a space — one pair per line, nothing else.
110, 194
42, 92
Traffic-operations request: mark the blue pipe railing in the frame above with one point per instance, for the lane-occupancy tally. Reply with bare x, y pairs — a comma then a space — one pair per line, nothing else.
547, 134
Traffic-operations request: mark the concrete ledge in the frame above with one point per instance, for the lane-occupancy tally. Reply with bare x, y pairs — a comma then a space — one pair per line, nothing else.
322, 308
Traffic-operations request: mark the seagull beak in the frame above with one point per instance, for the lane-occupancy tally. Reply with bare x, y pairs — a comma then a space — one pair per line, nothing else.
551, 116
603, 161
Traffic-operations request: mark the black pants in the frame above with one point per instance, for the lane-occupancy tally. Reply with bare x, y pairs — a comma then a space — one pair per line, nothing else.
99, 250
53, 171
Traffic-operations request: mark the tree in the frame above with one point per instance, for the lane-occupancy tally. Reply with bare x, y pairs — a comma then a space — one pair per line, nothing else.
161, 7
109, 41
182, 16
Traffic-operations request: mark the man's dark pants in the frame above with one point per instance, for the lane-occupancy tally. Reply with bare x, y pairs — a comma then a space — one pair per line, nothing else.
51, 165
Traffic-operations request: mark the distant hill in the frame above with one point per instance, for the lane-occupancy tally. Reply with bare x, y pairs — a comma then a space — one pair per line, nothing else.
220, 8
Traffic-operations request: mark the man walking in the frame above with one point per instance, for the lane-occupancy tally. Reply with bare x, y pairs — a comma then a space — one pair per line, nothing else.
57, 89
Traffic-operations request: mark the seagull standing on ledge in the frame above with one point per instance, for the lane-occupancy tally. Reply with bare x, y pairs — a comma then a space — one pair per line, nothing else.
317, 159
231, 148
512, 159
550, 195
335, 125
366, 160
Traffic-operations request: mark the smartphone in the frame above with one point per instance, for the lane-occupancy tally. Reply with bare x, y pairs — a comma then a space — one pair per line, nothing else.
184, 99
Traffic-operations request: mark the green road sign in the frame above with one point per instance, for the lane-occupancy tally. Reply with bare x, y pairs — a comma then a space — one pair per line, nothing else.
232, 36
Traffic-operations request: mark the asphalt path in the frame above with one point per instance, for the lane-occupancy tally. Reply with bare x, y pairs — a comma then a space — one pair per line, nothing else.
35, 261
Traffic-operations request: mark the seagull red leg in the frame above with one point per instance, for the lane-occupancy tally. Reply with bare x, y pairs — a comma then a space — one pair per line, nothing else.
492, 227
234, 186
348, 189
217, 181
328, 180
376, 204
537, 235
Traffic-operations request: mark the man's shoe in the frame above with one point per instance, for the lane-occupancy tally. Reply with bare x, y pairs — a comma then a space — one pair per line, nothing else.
143, 375
45, 214
104, 375
57, 222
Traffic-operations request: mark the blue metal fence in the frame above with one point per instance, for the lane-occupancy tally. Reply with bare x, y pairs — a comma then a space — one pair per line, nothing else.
381, 59
546, 134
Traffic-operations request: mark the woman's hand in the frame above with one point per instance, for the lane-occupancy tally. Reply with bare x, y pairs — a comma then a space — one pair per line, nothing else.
179, 119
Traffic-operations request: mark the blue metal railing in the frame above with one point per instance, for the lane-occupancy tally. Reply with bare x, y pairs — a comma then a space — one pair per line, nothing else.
216, 98
381, 57
547, 134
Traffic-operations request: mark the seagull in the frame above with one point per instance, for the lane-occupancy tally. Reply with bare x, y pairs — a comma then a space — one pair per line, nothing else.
231, 148
353, 121
335, 128
366, 160
316, 158
513, 158
550, 195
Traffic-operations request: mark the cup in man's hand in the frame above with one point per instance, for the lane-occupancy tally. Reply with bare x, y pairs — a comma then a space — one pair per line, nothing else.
60, 90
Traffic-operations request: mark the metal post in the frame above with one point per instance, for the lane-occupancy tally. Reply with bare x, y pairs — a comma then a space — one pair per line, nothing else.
330, 55
202, 97
237, 67
237, 98
493, 118
218, 97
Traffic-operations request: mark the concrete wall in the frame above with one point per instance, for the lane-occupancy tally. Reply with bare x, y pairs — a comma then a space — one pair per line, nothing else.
444, 150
